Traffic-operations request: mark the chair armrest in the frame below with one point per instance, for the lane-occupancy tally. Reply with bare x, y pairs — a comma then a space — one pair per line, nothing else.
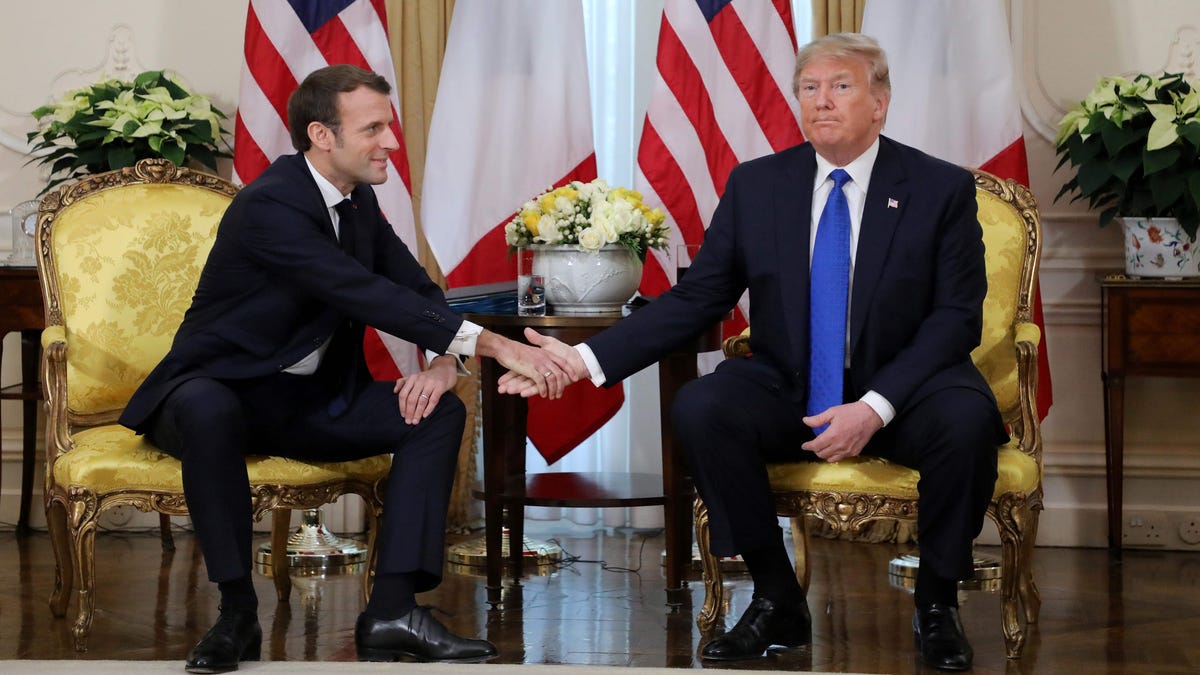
1028, 332
738, 345
54, 391
52, 334
1028, 427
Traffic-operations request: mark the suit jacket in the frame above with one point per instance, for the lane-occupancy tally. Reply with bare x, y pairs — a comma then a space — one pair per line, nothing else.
918, 288
277, 284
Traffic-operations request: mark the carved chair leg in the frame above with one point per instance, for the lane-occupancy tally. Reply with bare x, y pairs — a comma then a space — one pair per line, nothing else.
714, 589
800, 548
281, 523
83, 540
1011, 569
64, 566
1031, 599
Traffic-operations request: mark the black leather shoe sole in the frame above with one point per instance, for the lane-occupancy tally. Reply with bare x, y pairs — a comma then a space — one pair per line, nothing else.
252, 652
382, 655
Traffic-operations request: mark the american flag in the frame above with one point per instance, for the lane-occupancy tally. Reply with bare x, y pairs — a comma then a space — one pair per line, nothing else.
285, 41
722, 96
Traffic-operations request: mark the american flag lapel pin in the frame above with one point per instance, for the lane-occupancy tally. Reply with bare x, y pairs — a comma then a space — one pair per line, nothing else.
893, 204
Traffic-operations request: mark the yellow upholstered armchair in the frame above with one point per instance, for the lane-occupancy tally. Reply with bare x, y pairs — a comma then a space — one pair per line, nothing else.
119, 256
852, 493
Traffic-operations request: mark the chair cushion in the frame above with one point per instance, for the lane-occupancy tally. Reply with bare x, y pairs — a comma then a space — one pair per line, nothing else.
127, 261
111, 458
1018, 473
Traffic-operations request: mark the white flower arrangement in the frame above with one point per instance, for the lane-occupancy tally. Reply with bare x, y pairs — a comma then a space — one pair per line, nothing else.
589, 216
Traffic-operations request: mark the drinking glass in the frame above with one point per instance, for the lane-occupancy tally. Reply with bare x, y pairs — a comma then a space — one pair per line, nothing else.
531, 288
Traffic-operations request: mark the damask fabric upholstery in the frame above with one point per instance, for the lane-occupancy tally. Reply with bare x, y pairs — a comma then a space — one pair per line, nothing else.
165, 232
111, 457
1018, 473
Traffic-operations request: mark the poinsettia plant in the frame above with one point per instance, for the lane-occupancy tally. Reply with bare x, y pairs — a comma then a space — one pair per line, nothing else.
1135, 147
114, 123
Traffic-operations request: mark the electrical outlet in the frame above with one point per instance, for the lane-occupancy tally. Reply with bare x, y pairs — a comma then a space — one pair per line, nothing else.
1189, 528
116, 517
1144, 528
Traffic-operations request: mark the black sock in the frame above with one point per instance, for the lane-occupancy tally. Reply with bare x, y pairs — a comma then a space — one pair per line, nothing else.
392, 596
933, 589
238, 594
773, 575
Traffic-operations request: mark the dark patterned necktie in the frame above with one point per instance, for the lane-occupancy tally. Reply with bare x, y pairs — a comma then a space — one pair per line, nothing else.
347, 224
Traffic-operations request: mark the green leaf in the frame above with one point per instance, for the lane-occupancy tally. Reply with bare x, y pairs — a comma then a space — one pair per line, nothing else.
1123, 166
204, 155
147, 79
1167, 189
121, 157
1092, 177
1162, 134
172, 151
1191, 133
1154, 161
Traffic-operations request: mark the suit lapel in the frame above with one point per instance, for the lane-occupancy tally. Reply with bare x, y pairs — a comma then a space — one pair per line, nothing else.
886, 201
793, 216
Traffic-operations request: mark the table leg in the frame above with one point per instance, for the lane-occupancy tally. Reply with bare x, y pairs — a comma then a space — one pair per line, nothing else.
1114, 445
503, 452
673, 372
31, 347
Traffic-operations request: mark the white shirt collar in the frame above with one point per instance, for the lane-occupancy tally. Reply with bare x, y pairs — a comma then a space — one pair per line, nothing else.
859, 169
329, 193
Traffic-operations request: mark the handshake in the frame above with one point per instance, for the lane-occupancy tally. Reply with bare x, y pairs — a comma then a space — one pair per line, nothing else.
545, 369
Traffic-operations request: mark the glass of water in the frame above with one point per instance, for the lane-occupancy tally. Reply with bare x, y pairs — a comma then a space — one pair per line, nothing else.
531, 288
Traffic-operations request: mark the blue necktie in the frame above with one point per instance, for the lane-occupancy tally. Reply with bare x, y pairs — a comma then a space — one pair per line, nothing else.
829, 285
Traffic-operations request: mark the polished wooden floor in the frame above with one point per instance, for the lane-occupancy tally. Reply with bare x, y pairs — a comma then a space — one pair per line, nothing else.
1137, 615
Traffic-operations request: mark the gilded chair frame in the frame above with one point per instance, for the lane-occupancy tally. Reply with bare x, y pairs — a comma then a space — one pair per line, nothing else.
1015, 512
73, 510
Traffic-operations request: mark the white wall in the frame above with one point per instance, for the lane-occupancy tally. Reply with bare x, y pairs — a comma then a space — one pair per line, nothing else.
1061, 47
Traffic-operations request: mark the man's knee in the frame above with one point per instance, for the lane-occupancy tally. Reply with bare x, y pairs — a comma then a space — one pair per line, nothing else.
698, 406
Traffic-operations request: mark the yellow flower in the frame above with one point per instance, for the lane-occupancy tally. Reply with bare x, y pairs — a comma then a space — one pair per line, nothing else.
530, 219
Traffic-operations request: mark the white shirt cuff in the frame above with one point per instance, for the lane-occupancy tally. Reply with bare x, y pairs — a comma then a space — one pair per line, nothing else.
463, 344
593, 366
880, 405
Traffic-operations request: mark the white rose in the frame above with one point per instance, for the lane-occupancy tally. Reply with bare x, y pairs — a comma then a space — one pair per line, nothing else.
591, 239
548, 230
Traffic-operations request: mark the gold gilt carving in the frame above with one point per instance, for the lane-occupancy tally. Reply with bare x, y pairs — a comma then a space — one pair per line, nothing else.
850, 509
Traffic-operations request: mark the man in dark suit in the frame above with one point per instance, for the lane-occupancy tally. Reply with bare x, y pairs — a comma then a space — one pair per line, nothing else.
864, 262
269, 359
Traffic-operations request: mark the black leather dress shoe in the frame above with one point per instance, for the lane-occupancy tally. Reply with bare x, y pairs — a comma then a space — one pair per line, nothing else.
764, 624
417, 635
235, 637
939, 633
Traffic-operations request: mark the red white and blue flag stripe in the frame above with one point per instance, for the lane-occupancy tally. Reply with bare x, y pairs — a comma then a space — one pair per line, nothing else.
722, 96
285, 41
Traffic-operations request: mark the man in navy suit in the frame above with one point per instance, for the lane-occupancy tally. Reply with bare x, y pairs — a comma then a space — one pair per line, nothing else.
269, 359
904, 385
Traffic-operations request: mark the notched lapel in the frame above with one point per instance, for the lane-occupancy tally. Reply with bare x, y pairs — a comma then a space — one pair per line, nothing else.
886, 201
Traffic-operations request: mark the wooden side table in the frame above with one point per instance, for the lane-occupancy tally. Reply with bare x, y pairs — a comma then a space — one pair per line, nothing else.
21, 310
1150, 327
506, 490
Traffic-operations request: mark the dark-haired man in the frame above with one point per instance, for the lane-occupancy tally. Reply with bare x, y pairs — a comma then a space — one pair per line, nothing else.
269, 358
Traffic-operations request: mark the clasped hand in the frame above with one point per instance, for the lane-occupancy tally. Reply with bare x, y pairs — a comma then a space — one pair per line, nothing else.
851, 425
565, 358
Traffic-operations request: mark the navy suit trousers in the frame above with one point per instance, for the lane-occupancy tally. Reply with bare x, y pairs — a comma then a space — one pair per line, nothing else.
211, 425
734, 421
